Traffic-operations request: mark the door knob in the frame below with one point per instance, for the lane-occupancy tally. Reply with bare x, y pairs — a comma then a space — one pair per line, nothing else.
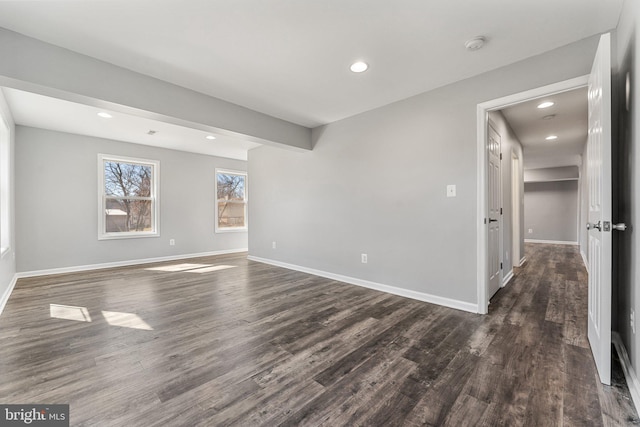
620, 227
492, 220
597, 226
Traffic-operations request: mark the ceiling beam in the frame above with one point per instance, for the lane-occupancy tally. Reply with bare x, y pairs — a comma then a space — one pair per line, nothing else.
35, 66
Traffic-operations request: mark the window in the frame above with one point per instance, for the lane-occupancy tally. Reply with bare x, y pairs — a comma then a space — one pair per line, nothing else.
231, 204
5, 176
128, 197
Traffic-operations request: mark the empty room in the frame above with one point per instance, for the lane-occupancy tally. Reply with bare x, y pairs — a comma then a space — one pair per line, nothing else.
328, 213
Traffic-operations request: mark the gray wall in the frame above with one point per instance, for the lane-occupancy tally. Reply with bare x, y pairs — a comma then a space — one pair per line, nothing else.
626, 200
551, 210
7, 262
509, 144
56, 187
376, 183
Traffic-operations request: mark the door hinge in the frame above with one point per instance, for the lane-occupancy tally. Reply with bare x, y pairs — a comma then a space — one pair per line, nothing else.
500, 156
485, 220
500, 266
500, 211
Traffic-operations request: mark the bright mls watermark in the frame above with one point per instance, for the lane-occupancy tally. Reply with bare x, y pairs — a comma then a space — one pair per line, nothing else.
34, 415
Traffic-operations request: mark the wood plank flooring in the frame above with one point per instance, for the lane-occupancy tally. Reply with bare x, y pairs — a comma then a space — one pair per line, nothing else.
226, 341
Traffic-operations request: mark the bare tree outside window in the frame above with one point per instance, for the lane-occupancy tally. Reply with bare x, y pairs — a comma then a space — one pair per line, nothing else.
231, 200
128, 197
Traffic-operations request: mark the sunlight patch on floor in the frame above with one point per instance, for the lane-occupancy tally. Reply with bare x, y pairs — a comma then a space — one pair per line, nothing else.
191, 268
126, 320
178, 267
210, 269
69, 312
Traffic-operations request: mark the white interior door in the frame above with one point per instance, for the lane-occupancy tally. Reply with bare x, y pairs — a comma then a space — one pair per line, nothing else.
599, 177
493, 220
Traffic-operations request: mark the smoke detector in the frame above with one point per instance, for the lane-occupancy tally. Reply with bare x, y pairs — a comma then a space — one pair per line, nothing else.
475, 43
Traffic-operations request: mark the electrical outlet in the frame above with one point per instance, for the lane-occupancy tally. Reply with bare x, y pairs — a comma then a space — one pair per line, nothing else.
363, 258
531, 231
451, 191
172, 242
273, 245
632, 320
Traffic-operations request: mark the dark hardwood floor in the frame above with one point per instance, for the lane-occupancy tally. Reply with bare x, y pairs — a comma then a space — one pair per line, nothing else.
225, 341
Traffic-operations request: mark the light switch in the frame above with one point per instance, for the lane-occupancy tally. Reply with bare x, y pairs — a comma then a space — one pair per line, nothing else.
451, 191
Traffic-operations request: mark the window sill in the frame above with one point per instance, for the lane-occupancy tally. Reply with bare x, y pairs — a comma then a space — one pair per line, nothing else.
119, 236
232, 230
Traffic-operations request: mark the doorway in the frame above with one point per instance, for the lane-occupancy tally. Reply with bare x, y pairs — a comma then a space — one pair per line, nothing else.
483, 110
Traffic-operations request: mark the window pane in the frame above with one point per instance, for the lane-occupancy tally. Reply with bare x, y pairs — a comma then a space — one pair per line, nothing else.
231, 214
230, 187
124, 215
127, 179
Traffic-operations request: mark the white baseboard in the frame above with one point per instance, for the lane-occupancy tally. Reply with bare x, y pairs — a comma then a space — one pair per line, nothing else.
522, 261
507, 278
584, 259
629, 373
447, 302
551, 242
101, 266
7, 293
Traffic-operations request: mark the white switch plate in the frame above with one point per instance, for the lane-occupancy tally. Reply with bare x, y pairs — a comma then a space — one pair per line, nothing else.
364, 258
273, 245
451, 191
531, 231
172, 242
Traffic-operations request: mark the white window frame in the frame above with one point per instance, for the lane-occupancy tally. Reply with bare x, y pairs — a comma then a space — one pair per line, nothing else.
154, 197
5, 186
246, 201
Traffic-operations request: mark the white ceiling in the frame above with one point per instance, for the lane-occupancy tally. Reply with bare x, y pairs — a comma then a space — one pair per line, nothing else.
569, 123
39, 111
290, 58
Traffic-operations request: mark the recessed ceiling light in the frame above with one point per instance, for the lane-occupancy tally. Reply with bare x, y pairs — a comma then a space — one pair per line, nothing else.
551, 137
211, 137
104, 115
546, 104
475, 43
359, 67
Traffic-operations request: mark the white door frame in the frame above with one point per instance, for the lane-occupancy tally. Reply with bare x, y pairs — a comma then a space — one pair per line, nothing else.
481, 178
516, 199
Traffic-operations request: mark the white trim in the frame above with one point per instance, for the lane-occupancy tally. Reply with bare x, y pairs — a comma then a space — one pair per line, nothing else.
420, 296
584, 259
516, 224
629, 374
551, 242
78, 268
535, 181
7, 293
481, 178
522, 261
154, 198
6, 184
507, 278
246, 201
